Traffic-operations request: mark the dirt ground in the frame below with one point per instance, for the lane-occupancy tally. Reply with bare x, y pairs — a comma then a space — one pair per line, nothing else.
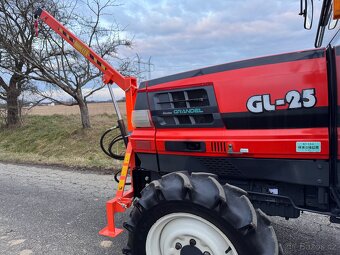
94, 109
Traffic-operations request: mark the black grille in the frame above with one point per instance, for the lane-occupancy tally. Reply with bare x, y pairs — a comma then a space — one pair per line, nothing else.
182, 99
220, 166
190, 105
198, 97
193, 106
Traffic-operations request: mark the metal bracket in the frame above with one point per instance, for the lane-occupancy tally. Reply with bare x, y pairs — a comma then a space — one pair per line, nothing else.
123, 200
242, 150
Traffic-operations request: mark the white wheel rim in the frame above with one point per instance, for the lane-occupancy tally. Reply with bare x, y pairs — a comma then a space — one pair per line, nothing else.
180, 228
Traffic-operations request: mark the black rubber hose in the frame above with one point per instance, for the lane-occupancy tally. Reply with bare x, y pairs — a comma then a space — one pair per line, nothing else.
115, 140
109, 152
116, 176
102, 138
115, 156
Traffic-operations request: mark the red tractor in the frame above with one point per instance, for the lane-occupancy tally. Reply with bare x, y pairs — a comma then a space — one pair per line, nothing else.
211, 151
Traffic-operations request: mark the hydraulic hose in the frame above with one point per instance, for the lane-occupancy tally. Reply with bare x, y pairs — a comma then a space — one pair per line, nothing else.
108, 150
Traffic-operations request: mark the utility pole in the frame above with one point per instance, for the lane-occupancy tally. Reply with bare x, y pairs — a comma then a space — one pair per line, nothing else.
144, 67
149, 65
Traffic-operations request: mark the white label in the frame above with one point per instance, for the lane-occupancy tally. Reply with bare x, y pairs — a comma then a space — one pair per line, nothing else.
244, 150
274, 191
308, 147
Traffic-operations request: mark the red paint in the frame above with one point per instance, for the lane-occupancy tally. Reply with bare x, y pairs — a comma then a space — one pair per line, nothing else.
232, 89
275, 143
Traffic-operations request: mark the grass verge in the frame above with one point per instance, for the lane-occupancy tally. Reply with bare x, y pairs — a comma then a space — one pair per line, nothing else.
57, 140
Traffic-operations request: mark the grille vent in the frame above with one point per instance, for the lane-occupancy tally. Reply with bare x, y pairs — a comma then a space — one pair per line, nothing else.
220, 166
184, 99
219, 147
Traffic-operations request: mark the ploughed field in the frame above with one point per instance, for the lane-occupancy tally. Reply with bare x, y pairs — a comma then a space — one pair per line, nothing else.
94, 109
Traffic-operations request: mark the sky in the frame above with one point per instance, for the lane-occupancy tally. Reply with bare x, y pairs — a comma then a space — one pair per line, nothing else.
181, 35
184, 35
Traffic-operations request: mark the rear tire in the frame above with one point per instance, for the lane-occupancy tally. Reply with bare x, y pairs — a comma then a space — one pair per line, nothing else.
192, 214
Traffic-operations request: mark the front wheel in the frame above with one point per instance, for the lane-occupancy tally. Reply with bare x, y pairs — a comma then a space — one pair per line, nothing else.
183, 214
186, 233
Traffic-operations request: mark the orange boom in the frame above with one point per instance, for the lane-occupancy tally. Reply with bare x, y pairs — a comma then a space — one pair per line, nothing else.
110, 76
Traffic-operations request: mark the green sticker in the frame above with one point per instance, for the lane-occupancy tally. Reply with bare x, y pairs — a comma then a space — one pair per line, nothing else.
308, 147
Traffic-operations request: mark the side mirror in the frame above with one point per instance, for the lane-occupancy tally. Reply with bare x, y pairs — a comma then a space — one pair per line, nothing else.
307, 11
332, 22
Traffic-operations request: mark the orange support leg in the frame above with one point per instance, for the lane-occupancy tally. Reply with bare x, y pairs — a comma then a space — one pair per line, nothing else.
114, 206
123, 200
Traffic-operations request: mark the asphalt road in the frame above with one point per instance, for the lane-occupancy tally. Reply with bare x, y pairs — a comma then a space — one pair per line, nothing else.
55, 211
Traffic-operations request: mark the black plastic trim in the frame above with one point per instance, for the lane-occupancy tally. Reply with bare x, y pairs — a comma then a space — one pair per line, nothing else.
332, 95
303, 172
185, 146
148, 161
337, 50
281, 119
141, 101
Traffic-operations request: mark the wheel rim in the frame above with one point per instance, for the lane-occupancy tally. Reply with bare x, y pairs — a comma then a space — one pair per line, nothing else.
184, 234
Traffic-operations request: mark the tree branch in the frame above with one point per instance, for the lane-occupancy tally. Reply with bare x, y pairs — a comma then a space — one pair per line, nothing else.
93, 91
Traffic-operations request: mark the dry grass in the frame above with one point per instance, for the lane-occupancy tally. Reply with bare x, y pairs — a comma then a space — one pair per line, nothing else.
58, 140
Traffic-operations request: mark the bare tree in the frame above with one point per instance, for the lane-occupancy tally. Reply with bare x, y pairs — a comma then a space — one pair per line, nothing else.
16, 37
50, 60
70, 71
15, 28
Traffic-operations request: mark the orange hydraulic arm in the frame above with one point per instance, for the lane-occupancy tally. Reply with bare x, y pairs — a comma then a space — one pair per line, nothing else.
110, 75
123, 200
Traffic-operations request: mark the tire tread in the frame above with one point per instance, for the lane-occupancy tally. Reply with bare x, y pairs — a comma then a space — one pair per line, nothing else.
230, 202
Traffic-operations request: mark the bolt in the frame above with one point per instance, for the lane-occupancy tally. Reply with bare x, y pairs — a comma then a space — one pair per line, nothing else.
206, 253
192, 242
178, 246
228, 250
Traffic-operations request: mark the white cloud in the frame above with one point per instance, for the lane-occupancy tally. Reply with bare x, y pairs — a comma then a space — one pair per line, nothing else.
104, 94
100, 95
183, 35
